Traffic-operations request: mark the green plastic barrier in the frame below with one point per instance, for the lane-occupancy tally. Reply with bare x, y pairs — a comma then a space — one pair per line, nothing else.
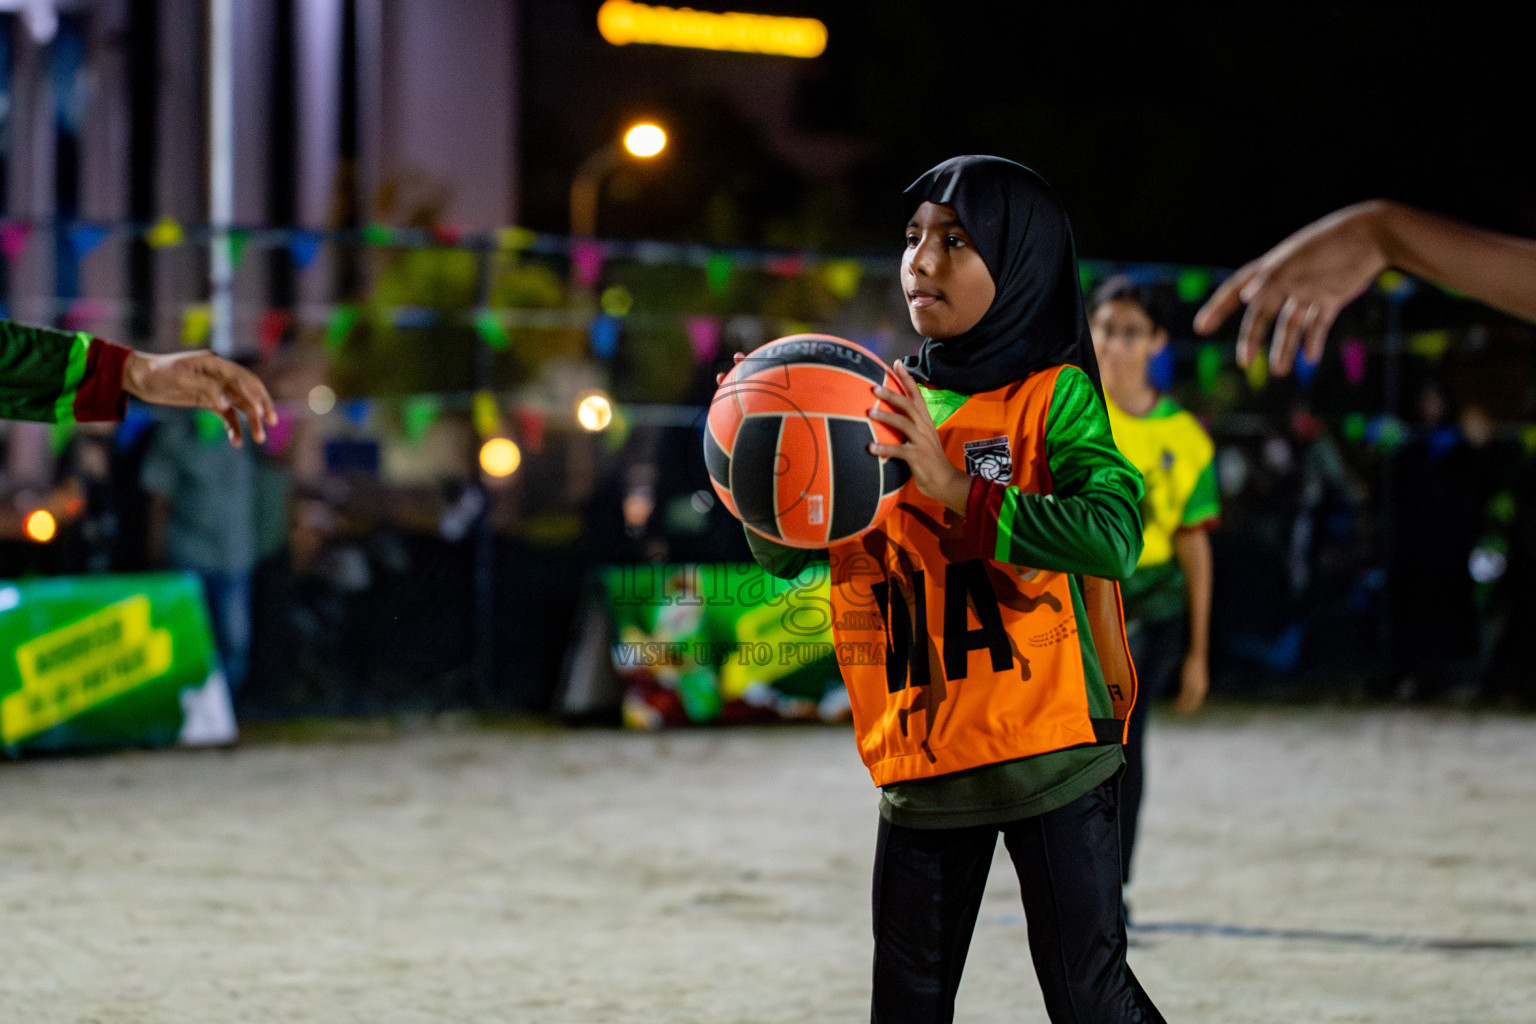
109, 661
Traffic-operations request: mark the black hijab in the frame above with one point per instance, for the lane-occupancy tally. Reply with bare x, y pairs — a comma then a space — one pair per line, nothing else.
1020, 230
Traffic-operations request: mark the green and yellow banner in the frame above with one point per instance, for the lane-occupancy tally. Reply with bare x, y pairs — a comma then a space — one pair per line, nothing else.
109, 661
722, 643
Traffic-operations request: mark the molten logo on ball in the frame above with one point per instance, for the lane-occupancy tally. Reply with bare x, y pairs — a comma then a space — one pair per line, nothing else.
787, 441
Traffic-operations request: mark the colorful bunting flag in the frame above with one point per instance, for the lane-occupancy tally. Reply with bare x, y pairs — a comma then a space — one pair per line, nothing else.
515, 239
491, 330
378, 234
1352, 353
717, 272
1258, 371
166, 234
1431, 345
237, 240
1208, 362
303, 247
789, 265
280, 434
13, 238
357, 411
1160, 369
486, 414
339, 326
1085, 278
1395, 284
530, 426
417, 416
82, 313
842, 278
704, 338
1193, 284
587, 261
196, 322
271, 327
617, 300
1306, 368
84, 238
604, 336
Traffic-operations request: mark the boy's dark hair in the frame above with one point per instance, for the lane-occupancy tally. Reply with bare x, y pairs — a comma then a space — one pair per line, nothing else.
1123, 287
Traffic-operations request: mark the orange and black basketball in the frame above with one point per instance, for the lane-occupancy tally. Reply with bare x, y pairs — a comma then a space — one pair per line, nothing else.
787, 441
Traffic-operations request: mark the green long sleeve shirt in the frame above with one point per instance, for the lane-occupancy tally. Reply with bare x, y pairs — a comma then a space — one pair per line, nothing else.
54, 376
1089, 524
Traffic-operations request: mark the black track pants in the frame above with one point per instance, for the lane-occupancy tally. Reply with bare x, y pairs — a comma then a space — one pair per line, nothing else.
927, 891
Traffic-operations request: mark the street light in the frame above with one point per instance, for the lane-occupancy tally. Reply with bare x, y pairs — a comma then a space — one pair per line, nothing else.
643, 140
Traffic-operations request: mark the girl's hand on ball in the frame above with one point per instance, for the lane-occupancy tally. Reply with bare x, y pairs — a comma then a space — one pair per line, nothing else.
720, 377
922, 451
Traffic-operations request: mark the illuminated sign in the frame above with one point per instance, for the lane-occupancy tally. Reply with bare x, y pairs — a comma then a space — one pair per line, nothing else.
622, 22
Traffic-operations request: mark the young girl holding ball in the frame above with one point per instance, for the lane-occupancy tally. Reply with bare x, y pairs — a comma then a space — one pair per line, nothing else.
1002, 701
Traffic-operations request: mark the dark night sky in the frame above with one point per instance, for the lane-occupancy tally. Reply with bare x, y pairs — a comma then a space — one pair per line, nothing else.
1202, 136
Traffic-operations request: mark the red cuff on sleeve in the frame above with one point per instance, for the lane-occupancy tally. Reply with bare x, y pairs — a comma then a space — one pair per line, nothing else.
100, 397
981, 511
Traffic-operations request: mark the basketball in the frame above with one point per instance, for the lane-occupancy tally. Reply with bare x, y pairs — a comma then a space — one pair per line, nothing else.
786, 442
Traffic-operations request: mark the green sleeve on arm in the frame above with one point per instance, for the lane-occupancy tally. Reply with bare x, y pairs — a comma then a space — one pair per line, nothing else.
1091, 521
779, 560
1204, 504
40, 371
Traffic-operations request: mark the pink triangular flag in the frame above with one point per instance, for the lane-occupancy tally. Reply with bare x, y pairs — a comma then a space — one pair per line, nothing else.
1352, 352
82, 313
704, 337
13, 238
587, 258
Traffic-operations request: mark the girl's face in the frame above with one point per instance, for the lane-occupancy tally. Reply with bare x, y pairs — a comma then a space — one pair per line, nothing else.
1125, 339
946, 282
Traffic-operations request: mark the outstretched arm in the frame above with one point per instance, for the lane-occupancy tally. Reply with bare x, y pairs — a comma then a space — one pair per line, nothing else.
202, 380
1301, 284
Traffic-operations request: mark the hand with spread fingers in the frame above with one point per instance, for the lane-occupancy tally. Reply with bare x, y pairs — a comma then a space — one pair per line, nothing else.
1299, 286
1302, 284
922, 451
202, 380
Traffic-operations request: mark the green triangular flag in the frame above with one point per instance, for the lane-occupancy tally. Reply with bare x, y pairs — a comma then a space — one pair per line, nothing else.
417, 416
378, 234
1208, 367
339, 327
59, 436
718, 272
239, 238
1193, 284
491, 330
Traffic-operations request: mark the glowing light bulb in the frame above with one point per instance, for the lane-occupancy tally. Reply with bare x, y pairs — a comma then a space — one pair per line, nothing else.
645, 140
500, 456
594, 412
41, 527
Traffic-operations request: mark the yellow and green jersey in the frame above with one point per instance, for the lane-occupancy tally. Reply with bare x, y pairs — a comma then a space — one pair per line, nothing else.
1174, 455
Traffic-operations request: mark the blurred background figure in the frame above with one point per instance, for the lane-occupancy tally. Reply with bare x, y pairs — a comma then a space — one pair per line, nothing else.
1168, 599
202, 520
1446, 476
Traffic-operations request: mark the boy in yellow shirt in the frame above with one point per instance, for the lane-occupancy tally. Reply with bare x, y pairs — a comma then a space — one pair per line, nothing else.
1168, 599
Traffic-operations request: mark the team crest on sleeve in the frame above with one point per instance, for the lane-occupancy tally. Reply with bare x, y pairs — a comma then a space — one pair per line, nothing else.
989, 459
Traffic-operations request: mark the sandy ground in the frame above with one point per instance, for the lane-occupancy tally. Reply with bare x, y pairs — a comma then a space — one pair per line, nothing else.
1297, 866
